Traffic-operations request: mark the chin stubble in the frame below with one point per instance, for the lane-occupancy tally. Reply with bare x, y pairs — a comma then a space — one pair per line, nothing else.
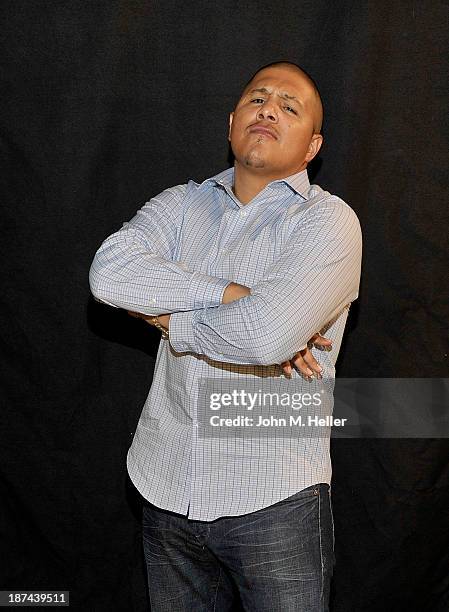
254, 163
253, 160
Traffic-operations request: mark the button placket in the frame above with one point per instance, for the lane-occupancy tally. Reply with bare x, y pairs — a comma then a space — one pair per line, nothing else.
221, 238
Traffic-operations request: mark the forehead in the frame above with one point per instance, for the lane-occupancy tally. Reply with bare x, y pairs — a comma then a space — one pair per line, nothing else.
282, 79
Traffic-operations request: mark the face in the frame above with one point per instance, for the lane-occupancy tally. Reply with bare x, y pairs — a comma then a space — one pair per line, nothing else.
272, 127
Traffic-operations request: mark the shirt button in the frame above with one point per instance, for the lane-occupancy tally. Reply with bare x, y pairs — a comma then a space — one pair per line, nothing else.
243, 213
153, 301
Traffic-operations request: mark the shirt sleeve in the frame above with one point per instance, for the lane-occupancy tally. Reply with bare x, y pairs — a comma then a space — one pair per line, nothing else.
134, 268
311, 282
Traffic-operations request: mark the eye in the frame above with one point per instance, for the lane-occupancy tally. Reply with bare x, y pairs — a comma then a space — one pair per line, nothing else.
258, 100
290, 109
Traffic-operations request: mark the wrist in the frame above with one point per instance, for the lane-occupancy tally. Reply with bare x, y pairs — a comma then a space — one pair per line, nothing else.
233, 292
157, 323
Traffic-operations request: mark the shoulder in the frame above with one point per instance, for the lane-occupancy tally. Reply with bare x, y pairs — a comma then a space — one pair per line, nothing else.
177, 199
193, 188
325, 221
171, 194
168, 202
329, 209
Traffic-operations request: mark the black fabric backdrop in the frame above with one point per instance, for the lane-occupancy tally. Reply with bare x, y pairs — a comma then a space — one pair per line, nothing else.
104, 105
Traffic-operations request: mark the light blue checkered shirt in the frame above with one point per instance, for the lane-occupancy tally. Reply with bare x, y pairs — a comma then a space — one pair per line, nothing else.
299, 250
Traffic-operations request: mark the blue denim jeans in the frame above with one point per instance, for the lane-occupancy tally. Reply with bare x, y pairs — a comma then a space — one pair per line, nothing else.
278, 559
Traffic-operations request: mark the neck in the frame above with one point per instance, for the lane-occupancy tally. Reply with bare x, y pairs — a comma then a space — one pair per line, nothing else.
248, 183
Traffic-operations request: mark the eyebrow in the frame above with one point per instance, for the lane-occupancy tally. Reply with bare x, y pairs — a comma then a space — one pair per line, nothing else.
284, 95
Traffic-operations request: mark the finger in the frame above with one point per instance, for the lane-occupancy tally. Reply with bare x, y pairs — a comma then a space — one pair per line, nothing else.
287, 367
311, 362
302, 367
320, 340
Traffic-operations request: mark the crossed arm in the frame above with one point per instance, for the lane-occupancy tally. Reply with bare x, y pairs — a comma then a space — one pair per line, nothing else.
311, 282
303, 361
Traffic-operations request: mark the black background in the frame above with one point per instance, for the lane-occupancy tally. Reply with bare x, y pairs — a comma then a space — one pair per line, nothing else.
105, 104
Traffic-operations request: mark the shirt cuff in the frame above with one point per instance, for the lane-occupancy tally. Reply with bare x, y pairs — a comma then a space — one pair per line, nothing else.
205, 291
181, 331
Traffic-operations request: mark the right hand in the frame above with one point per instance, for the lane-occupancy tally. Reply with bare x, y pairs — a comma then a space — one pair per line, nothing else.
304, 361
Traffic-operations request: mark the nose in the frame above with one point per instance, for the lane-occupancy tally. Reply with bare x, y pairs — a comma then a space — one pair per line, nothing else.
267, 112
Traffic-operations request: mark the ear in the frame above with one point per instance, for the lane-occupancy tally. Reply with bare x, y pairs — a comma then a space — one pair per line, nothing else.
231, 117
314, 147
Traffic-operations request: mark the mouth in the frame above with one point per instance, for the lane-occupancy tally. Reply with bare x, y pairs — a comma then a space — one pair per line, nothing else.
266, 131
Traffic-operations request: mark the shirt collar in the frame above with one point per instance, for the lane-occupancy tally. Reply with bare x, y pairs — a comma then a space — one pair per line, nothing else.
299, 182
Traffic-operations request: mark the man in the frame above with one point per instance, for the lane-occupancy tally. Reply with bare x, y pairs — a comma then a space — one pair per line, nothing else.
239, 272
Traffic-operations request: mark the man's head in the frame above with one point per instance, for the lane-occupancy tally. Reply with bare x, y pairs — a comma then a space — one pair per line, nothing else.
275, 127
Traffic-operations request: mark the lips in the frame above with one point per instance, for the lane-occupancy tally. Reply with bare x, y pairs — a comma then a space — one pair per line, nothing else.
262, 129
